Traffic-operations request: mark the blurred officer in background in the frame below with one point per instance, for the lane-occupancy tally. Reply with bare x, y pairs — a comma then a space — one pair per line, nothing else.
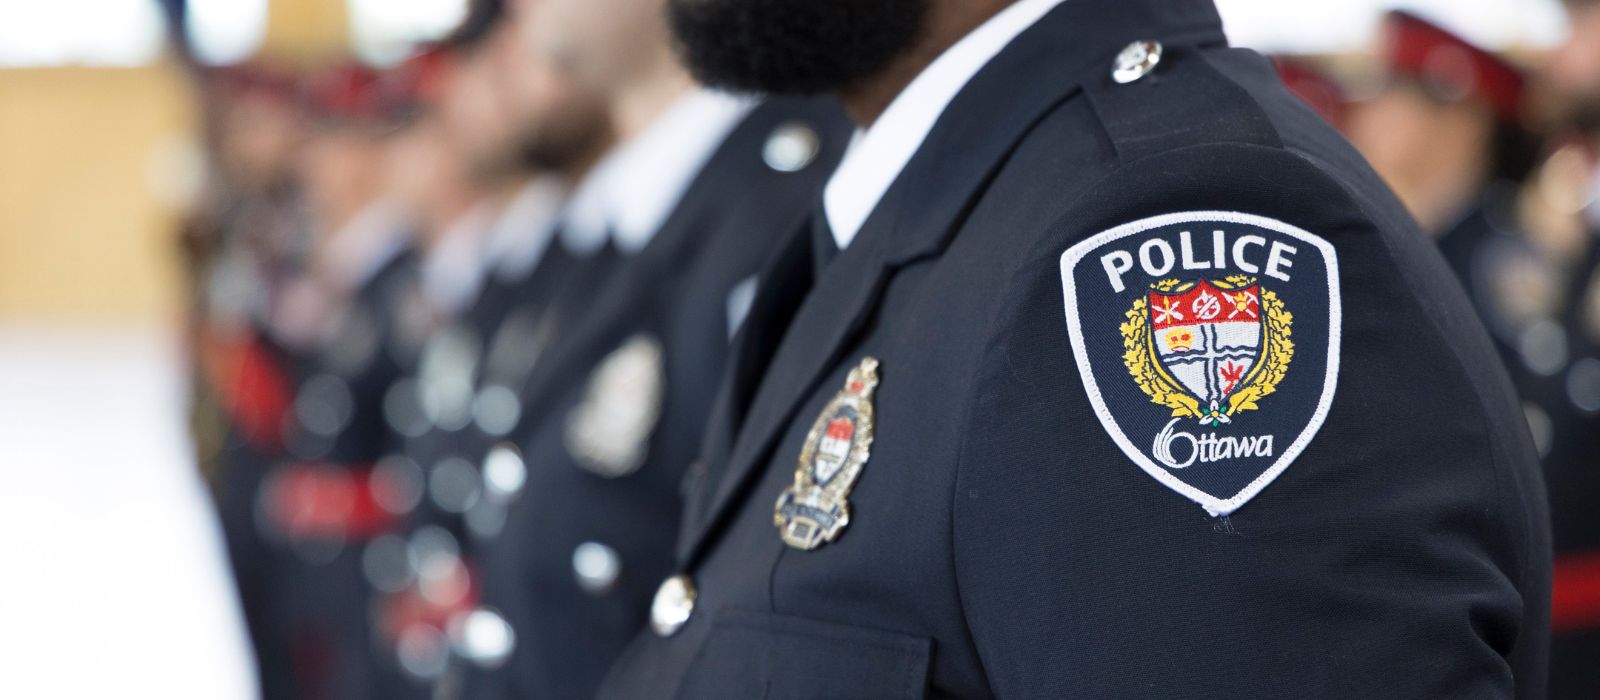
1446, 125
242, 246
1564, 349
697, 192
318, 498
1315, 87
525, 134
1107, 369
246, 244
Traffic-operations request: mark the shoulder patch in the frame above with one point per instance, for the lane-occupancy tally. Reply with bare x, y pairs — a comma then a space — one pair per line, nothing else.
1208, 343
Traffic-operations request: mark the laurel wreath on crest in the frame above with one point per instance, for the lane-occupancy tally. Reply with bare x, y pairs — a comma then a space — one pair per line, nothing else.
1162, 389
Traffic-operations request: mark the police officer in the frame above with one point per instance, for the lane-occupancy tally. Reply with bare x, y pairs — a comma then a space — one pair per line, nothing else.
1116, 374
1446, 130
283, 514
689, 201
524, 133
248, 242
1314, 86
322, 497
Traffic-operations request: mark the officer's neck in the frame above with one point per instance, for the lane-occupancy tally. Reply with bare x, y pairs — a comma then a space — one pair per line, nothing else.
637, 105
947, 22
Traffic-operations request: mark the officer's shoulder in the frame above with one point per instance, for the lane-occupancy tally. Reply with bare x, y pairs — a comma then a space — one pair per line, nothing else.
1211, 98
1211, 129
794, 137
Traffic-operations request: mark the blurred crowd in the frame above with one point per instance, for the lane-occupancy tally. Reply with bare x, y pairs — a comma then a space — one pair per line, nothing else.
396, 273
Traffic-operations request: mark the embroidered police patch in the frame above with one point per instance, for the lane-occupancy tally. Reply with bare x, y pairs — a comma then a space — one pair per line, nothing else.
1208, 343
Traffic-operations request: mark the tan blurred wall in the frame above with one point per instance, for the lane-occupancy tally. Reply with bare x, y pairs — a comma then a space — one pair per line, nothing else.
87, 159
92, 161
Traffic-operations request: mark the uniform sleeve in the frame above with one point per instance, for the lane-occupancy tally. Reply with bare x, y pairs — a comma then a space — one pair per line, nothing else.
1399, 552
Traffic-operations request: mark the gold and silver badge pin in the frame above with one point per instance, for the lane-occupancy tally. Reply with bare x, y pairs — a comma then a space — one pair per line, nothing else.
815, 509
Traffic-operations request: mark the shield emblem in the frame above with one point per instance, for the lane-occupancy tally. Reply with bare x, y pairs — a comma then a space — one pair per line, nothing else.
833, 448
1208, 346
1207, 339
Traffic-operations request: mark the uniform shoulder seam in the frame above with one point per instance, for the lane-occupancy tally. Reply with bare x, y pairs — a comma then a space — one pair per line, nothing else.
1213, 109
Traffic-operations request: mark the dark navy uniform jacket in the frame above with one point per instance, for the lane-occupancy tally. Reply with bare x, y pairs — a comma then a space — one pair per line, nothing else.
615, 410
1572, 469
298, 561
459, 395
1001, 540
489, 353
341, 433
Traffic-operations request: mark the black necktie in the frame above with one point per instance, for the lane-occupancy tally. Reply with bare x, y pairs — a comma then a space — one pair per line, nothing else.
785, 281
823, 247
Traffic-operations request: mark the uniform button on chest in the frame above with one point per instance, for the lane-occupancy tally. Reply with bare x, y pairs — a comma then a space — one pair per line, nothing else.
1136, 61
673, 604
596, 566
791, 148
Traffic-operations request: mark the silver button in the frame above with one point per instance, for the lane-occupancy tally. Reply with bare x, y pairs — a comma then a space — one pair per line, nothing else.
324, 404
1583, 384
496, 410
387, 563
504, 472
1136, 61
484, 637
454, 485
791, 147
673, 604
423, 651
397, 484
596, 566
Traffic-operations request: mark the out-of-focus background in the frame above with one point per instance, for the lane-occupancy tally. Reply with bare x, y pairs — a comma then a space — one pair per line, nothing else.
113, 576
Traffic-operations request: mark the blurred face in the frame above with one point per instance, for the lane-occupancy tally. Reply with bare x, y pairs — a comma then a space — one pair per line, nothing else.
339, 168
259, 136
1573, 68
1424, 148
554, 122
475, 111
602, 44
423, 169
793, 46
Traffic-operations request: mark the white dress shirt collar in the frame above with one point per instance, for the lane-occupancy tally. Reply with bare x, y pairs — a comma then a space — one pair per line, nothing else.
633, 190
878, 155
452, 268
367, 242
525, 226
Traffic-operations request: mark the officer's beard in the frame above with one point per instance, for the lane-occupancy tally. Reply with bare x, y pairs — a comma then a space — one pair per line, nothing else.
1583, 116
794, 47
563, 143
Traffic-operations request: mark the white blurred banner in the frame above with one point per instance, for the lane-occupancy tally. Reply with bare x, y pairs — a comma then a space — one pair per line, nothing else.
113, 580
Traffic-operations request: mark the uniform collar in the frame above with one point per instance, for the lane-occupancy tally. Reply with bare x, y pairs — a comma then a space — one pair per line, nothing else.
880, 153
357, 250
453, 267
525, 227
637, 186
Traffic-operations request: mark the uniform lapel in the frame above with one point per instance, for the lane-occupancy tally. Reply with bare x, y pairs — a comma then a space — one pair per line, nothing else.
928, 203
785, 280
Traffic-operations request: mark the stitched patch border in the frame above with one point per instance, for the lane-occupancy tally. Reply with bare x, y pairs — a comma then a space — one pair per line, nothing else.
1269, 355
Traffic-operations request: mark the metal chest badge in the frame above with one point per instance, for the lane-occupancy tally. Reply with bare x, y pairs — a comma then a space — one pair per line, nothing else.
815, 509
608, 433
